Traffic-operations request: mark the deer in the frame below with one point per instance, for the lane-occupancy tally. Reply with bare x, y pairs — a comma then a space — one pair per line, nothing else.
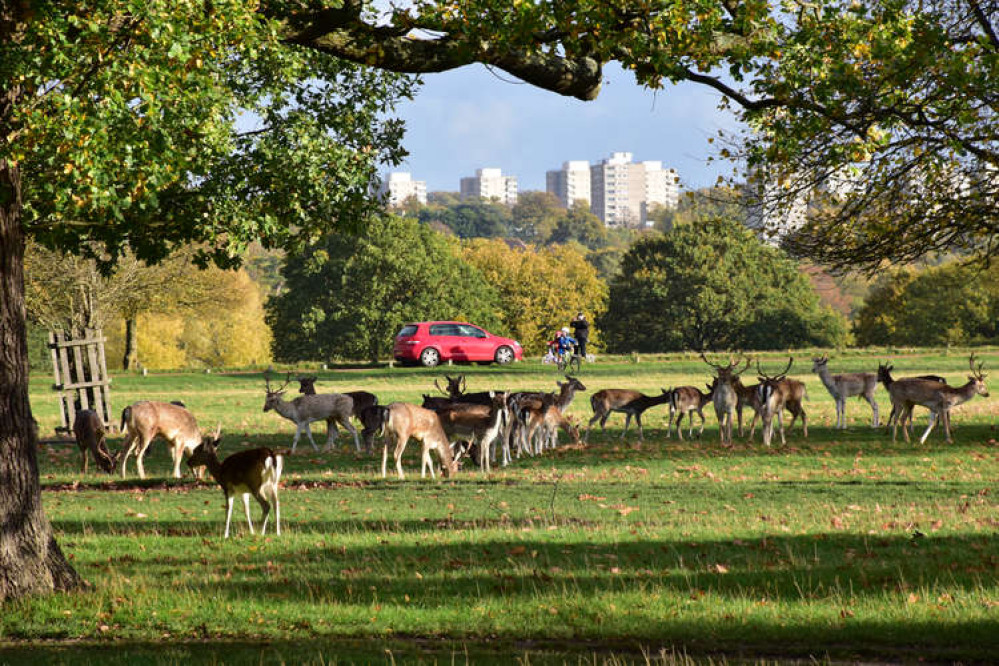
777, 393
938, 397
255, 472
478, 424
145, 420
747, 396
88, 430
362, 399
522, 403
543, 423
884, 376
846, 385
404, 421
685, 400
725, 397
303, 410
631, 403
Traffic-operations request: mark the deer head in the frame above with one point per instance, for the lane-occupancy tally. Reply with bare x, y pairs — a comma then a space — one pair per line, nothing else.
307, 384
728, 372
978, 376
273, 396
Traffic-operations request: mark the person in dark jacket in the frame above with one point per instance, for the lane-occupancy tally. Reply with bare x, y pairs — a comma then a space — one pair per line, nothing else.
581, 328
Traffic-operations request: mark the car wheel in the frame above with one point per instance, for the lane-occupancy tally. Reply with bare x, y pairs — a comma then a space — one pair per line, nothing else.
504, 355
430, 357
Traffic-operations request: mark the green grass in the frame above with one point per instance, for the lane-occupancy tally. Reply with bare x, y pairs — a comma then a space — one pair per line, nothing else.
843, 545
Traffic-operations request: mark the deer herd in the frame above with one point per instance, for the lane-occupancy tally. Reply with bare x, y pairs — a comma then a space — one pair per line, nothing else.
499, 425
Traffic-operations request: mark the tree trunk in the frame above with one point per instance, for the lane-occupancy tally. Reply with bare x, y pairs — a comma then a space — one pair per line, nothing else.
131, 344
30, 559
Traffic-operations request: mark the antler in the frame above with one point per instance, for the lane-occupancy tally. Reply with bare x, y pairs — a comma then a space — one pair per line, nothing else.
463, 386
705, 359
977, 372
780, 375
439, 387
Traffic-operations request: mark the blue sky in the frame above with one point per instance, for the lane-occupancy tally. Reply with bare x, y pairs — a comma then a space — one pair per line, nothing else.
472, 118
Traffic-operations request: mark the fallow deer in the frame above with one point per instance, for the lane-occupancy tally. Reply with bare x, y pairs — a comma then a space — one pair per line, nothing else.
145, 420
628, 402
903, 410
686, 400
479, 425
725, 397
405, 421
362, 399
88, 430
846, 385
255, 472
748, 396
777, 393
543, 423
330, 407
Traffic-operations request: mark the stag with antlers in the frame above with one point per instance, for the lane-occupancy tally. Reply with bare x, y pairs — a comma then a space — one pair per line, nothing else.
330, 407
725, 397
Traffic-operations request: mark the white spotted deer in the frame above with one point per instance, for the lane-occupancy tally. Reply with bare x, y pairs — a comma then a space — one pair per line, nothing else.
330, 407
255, 472
725, 397
847, 385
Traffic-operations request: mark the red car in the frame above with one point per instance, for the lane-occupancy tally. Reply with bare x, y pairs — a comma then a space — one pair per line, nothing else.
430, 342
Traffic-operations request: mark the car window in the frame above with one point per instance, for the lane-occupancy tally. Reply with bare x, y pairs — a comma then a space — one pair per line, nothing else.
443, 329
471, 331
407, 331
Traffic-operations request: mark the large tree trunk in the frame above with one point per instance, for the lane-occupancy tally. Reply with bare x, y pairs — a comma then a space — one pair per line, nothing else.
131, 344
30, 559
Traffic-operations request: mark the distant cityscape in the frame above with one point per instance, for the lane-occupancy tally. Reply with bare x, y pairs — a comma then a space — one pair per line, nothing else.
618, 190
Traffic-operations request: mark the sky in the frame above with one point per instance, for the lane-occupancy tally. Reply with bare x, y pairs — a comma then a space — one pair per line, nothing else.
474, 117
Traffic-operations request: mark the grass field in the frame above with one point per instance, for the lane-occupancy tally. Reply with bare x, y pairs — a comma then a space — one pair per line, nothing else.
844, 546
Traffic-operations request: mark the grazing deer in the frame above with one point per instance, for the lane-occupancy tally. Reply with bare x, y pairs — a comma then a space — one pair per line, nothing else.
88, 429
362, 399
478, 424
329, 407
846, 385
543, 423
405, 421
144, 421
936, 396
630, 403
254, 472
525, 402
725, 397
685, 400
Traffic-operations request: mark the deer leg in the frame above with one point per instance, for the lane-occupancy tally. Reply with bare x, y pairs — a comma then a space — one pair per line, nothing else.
752, 424
384, 456
265, 505
638, 420
228, 513
349, 427
246, 508
679, 424
140, 455
426, 461
627, 422
738, 414
178, 455
400, 446
929, 428
128, 447
277, 508
701, 414
83, 459
780, 424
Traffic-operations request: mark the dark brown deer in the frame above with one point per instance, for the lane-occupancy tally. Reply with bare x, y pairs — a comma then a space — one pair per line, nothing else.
88, 430
628, 402
255, 472
479, 425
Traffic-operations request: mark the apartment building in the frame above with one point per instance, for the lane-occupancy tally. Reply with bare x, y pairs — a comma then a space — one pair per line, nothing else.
571, 183
396, 188
490, 184
623, 192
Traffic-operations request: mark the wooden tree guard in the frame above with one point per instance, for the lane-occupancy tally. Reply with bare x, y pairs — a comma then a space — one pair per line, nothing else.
81, 377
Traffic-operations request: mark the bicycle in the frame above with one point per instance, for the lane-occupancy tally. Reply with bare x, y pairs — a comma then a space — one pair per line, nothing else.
568, 359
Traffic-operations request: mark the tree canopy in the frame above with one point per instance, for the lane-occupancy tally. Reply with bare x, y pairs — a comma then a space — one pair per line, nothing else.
713, 286
348, 296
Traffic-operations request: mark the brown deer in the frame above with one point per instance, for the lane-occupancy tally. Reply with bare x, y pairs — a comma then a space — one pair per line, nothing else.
725, 397
884, 376
937, 397
686, 400
524, 403
144, 421
255, 472
405, 421
628, 402
544, 422
330, 407
478, 424
748, 397
777, 393
846, 385
88, 430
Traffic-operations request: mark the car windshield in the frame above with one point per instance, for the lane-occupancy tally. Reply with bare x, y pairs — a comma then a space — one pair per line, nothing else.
407, 331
